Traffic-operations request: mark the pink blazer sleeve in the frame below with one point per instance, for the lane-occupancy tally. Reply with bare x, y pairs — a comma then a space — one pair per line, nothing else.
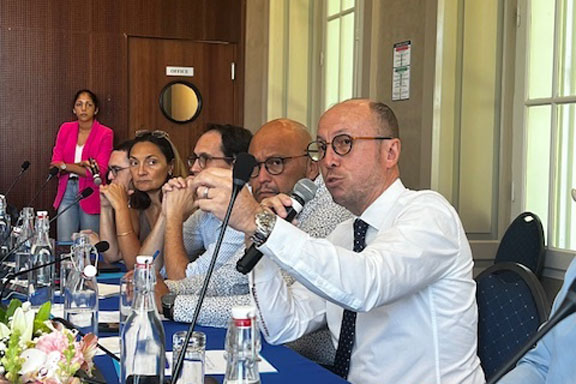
59, 146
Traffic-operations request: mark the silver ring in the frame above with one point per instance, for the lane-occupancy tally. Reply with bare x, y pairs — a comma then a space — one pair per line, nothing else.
205, 194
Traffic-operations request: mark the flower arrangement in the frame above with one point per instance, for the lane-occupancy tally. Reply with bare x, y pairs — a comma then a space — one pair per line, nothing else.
34, 349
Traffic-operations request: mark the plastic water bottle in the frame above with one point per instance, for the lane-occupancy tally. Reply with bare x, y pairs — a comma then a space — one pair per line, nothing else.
142, 358
41, 281
4, 227
242, 347
81, 288
22, 238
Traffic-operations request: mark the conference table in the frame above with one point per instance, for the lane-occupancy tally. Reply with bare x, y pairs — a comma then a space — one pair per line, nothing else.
291, 367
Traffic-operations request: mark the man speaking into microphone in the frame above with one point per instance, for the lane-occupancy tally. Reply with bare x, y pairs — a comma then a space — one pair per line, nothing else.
394, 286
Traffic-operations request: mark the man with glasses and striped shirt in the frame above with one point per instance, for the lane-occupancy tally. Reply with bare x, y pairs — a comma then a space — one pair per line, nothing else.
394, 286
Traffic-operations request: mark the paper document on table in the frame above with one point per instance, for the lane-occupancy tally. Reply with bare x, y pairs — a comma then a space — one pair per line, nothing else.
215, 364
108, 316
110, 343
108, 290
57, 310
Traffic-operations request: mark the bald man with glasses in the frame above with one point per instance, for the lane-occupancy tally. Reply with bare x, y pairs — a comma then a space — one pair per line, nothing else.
394, 285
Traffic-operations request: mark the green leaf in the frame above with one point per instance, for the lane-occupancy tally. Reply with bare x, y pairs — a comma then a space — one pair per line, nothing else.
14, 304
3, 317
42, 315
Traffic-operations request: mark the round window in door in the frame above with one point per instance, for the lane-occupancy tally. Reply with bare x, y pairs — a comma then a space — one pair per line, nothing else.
180, 102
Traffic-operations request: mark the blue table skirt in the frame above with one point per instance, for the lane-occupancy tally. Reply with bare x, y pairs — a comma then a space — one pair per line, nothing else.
292, 368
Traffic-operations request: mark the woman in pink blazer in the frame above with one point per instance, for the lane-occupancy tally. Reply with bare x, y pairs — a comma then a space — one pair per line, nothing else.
78, 145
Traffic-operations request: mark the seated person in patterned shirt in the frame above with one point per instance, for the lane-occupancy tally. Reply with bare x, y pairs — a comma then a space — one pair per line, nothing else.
278, 147
188, 237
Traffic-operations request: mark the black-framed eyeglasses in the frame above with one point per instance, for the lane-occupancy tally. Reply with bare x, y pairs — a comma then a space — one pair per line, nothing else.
341, 144
159, 134
274, 165
115, 169
204, 159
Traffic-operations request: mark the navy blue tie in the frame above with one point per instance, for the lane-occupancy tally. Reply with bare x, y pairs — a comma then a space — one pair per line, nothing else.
348, 326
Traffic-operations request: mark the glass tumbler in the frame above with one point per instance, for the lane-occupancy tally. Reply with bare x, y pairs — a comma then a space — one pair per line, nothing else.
126, 298
193, 366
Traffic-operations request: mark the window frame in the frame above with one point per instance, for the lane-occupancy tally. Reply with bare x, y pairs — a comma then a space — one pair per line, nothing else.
558, 259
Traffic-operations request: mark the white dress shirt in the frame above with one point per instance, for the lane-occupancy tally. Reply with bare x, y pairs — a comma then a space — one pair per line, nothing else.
412, 287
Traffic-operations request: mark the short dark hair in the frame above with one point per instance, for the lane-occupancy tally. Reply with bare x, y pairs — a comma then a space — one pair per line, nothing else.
123, 146
235, 139
387, 119
92, 96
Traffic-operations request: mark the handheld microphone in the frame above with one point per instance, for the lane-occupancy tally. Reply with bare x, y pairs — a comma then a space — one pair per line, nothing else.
243, 167
565, 309
53, 172
95, 171
303, 192
82, 195
25, 165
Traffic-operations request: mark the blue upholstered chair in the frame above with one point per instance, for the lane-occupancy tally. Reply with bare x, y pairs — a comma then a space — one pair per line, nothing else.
511, 306
523, 243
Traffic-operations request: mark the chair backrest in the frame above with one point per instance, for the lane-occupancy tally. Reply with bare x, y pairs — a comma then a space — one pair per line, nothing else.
523, 243
511, 306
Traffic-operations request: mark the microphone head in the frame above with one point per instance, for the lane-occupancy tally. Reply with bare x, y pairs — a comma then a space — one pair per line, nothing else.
243, 167
25, 165
305, 189
97, 179
86, 192
102, 246
53, 172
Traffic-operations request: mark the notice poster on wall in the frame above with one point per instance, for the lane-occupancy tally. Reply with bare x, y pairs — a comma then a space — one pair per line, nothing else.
401, 71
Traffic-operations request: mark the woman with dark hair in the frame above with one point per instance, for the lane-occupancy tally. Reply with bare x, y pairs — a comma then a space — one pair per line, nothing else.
81, 146
153, 160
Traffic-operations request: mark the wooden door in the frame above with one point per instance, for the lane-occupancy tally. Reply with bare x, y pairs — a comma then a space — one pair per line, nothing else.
213, 76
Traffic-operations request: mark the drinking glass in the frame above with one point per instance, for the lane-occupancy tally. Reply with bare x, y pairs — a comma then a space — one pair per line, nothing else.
193, 366
126, 297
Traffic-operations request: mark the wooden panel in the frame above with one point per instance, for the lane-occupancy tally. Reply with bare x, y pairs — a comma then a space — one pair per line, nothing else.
147, 61
220, 87
34, 105
50, 49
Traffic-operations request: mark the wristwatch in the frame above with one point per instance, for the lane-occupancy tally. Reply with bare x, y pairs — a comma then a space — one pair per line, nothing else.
265, 221
63, 166
168, 305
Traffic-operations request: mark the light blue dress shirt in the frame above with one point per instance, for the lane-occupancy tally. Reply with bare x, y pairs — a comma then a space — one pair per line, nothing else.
553, 360
201, 231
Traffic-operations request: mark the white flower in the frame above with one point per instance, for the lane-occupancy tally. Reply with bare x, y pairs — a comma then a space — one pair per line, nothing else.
4, 331
34, 359
23, 322
26, 306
